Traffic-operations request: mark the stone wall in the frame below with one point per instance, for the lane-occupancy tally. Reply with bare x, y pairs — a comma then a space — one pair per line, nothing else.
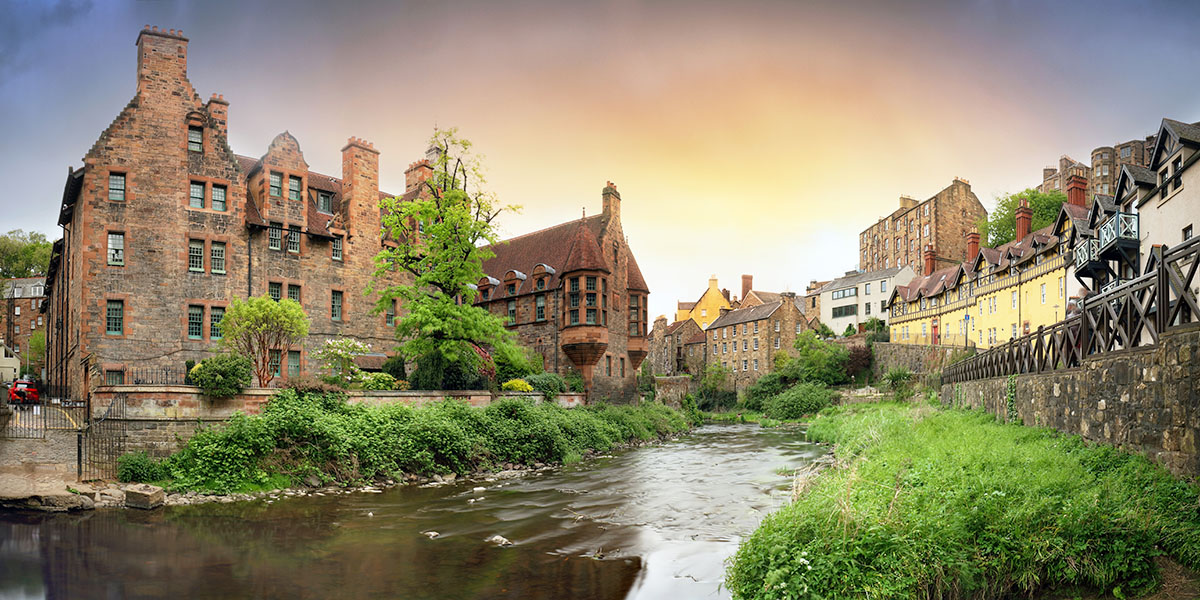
1143, 399
919, 359
671, 390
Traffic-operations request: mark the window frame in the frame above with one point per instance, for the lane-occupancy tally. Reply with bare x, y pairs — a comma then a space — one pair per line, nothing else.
213, 258
194, 256
117, 193
119, 261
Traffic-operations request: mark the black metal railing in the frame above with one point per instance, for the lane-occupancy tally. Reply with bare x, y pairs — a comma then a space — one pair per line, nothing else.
1133, 314
154, 376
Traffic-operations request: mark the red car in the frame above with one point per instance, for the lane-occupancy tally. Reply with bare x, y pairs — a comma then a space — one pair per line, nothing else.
22, 391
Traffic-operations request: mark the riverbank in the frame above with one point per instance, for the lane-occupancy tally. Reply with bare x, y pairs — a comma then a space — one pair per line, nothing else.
945, 503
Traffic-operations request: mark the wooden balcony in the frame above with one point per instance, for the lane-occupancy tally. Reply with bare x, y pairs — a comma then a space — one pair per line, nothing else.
1087, 259
1117, 234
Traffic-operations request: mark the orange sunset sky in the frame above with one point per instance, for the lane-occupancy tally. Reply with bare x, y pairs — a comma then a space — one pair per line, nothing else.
744, 137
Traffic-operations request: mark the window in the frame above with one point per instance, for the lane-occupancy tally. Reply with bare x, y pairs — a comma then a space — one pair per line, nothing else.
744, 329
724, 347
1164, 178
883, 286
114, 378
293, 188
540, 301
324, 202
867, 289
17, 309
511, 289
195, 139
574, 316
756, 343
1176, 166
293, 241
1014, 330
797, 331
1187, 233
541, 283
215, 314
512, 312
218, 197
116, 249
390, 316
1014, 299
116, 186
195, 327
335, 305
704, 312
1126, 152
846, 293
756, 364
294, 292
484, 293
1061, 287
274, 234
217, 258
196, 195
275, 290
196, 256
776, 326
608, 365
1043, 293
925, 231
622, 359
293, 363
273, 361
745, 364
867, 308
745, 344
337, 248
276, 184
777, 341
845, 311
574, 284
714, 349
591, 320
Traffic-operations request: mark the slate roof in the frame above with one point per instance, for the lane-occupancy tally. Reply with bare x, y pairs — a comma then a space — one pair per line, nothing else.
25, 283
1141, 174
634, 279
1185, 131
698, 338
746, 315
546, 246
685, 305
850, 280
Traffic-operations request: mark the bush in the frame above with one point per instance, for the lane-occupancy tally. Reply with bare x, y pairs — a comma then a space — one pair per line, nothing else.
187, 372
138, 467
858, 361
434, 372
575, 382
691, 410
402, 385
816, 361
378, 381
394, 366
549, 384
760, 391
899, 381
310, 384
797, 401
516, 385
717, 400
223, 375
515, 362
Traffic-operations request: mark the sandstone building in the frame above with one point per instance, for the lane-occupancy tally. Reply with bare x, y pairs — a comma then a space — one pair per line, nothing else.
942, 221
670, 353
746, 340
21, 316
1101, 174
574, 293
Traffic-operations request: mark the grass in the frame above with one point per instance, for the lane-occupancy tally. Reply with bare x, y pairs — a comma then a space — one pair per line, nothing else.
950, 504
301, 435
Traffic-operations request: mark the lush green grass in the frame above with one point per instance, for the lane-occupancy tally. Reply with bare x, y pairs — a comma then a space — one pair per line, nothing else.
951, 504
300, 434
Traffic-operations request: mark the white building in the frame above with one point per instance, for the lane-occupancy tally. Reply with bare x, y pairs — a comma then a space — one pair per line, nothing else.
1166, 195
857, 297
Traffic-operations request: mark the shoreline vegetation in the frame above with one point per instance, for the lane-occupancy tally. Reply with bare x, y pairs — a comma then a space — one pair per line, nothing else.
317, 439
925, 502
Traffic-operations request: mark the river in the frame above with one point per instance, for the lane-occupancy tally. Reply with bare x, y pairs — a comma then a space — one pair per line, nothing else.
647, 523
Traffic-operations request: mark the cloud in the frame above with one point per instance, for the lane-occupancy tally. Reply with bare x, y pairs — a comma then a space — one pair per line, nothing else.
25, 21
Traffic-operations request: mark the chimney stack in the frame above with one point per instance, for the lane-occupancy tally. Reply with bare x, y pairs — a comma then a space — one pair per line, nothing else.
218, 110
360, 187
1076, 191
725, 293
611, 201
747, 285
930, 259
972, 244
162, 60
416, 174
1024, 220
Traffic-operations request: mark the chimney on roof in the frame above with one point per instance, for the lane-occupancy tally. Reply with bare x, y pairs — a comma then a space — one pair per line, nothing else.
416, 174
972, 244
725, 293
162, 61
360, 187
723, 310
1076, 191
218, 111
791, 295
930, 259
907, 202
611, 201
747, 285
712, 282
1024, 219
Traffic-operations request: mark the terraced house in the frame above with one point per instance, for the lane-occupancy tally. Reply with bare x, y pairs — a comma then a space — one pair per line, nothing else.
996, 294
746, 340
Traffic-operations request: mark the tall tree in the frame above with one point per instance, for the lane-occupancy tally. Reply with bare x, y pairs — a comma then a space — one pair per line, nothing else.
256, 326
439, 237
24, 254
1000, 226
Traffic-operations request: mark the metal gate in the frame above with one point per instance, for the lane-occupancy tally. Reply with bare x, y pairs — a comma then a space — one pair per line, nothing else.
54, 409
103, 441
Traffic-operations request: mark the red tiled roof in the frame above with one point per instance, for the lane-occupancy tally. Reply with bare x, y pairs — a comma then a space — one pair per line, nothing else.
584, 253
546, 246
634, 278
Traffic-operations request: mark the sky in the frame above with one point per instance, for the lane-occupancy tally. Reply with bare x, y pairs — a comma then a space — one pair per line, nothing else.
748, 137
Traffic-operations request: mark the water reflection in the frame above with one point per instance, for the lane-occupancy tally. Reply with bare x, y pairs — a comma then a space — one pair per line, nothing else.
654, 522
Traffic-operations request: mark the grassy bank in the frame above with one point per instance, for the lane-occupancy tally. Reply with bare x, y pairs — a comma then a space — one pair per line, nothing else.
301, 434
950, 504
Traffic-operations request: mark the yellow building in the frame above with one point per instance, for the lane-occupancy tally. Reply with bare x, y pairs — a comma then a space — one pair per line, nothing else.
707, 308
999, 293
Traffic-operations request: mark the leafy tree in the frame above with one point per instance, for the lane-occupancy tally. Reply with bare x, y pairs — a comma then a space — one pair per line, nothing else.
715, 377
394, 366
337, 357
816, 361
439, 237
37, 346
24, 254
221, 376
256, 326
824, 331
1000, 226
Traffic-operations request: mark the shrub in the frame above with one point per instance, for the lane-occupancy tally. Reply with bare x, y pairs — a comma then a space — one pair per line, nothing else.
515, 362
691, 410
816, 361
394, 366
378, 381
898, 380
718, 400
402, 385
762, 390
310, 384
516, 385
434, 372
858, 360
337, 358
850, 330
138, 467
575, 382
223, 375
549, 384
187, 372
797, 401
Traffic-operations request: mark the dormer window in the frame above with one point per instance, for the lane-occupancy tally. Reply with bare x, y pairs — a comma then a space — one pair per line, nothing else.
512, 289
325, 202
541, 283
483, 293
195, 138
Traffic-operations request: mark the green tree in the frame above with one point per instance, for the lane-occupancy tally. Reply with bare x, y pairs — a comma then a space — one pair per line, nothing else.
440, 234
1000, 226
715, 377
37, 346
850, 330
816, 361
256, 326
24, 254
337, 357
824, 331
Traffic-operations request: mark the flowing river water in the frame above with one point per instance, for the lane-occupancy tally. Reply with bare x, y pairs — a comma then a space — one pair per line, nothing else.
647, 523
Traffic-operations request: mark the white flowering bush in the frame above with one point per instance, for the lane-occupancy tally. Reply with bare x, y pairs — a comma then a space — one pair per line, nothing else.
337, 357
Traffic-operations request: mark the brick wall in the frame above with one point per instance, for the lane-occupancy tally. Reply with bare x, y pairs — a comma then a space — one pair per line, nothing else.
1146, 400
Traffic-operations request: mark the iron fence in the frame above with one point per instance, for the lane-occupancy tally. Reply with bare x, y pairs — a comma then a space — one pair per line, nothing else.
154, 376
1133, 314
103, 442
